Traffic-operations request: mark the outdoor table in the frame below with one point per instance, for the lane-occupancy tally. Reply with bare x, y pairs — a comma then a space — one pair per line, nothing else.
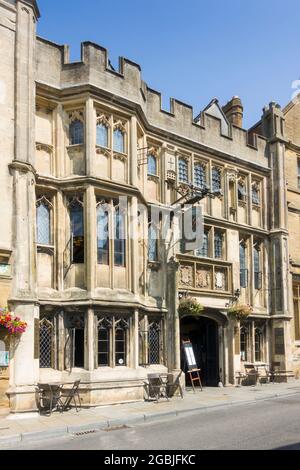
49, 394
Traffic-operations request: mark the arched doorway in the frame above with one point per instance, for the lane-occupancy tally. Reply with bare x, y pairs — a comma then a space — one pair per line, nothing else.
203, 334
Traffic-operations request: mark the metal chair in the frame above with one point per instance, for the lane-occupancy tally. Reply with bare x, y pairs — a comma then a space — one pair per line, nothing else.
157, 387
69, 395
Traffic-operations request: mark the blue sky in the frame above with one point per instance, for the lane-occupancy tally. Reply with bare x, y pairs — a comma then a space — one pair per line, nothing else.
192, 50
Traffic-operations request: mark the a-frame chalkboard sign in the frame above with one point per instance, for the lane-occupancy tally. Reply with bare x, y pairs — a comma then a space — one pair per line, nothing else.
191, 363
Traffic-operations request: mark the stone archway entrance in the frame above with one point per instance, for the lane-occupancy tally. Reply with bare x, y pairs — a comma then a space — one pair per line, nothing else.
203, 333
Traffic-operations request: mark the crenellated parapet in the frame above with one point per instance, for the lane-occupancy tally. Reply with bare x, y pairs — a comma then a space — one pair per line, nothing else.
210, 128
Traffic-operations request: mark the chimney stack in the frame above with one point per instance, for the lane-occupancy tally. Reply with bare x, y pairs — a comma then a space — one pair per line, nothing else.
234, 111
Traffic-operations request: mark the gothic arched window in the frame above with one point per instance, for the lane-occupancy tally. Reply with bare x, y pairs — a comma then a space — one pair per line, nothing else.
154, 343
216, 179
46, 343
102, 135
43, 222
218, 241
200, 175
119, 141
76, 130
152, 165
104, 342
244, 343
121, 342
183, 172
103, 233
77, 230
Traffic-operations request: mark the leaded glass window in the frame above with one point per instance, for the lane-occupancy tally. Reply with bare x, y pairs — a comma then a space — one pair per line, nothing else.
255, 194
119, 241
244, 343
102, 135
121, 338
43, 222
218, 242
200, 175
46, 344
204, 250
119, 141
104, 342
77, 230
216, 179
183, 174
76, 132
257, 267
154, 343
102, 234
152, 242
152, 165
242, 191
243, 266
258, 344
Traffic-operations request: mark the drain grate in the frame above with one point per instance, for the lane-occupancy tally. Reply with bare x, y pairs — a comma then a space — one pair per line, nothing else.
116, 428
84, 433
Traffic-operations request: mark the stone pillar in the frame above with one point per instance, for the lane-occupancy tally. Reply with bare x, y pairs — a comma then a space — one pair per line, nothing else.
133, 152
134, 247
173, 343
90, 126
90, 235
136, 339
90, 340
24, 366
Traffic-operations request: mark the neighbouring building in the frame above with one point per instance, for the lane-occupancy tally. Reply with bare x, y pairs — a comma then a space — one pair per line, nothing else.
74, 137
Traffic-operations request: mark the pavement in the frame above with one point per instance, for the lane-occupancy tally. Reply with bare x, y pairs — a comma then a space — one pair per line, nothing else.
29, 428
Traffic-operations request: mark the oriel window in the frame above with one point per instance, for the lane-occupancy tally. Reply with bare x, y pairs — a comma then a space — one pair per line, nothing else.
103, 232
200, 175
119, 141
183, 171
104, 342
244, 343
102, 135
255, 194
152, 165
257, 267
204, 250
76, 131
216, 179
120, 237
218, 243
43, 221
121, 337
77, 230
243, 266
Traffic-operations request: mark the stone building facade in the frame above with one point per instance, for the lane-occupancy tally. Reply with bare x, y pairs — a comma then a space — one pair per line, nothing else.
86, 149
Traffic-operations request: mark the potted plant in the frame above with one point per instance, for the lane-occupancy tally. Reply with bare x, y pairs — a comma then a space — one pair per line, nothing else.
13, 324
188, 306
240, 311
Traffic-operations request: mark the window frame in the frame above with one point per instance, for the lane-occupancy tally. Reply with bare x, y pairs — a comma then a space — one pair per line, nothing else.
74, 138
43, 201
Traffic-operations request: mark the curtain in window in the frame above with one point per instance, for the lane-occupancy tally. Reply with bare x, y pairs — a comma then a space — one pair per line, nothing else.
183, 175
244, 343
200, 175
258, 344
43, 224
102, 135
102, 235
77, 231
119, 145
76, 132
152, 165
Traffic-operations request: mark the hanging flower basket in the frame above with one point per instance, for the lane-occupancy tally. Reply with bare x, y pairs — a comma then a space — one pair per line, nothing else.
13, 324
189, 307
240, 311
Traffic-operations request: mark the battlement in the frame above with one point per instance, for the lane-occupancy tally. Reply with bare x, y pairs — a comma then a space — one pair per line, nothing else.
210, 128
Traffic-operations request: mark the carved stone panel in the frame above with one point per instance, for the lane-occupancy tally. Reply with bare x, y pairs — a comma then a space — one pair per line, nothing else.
186, 276
203, 277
